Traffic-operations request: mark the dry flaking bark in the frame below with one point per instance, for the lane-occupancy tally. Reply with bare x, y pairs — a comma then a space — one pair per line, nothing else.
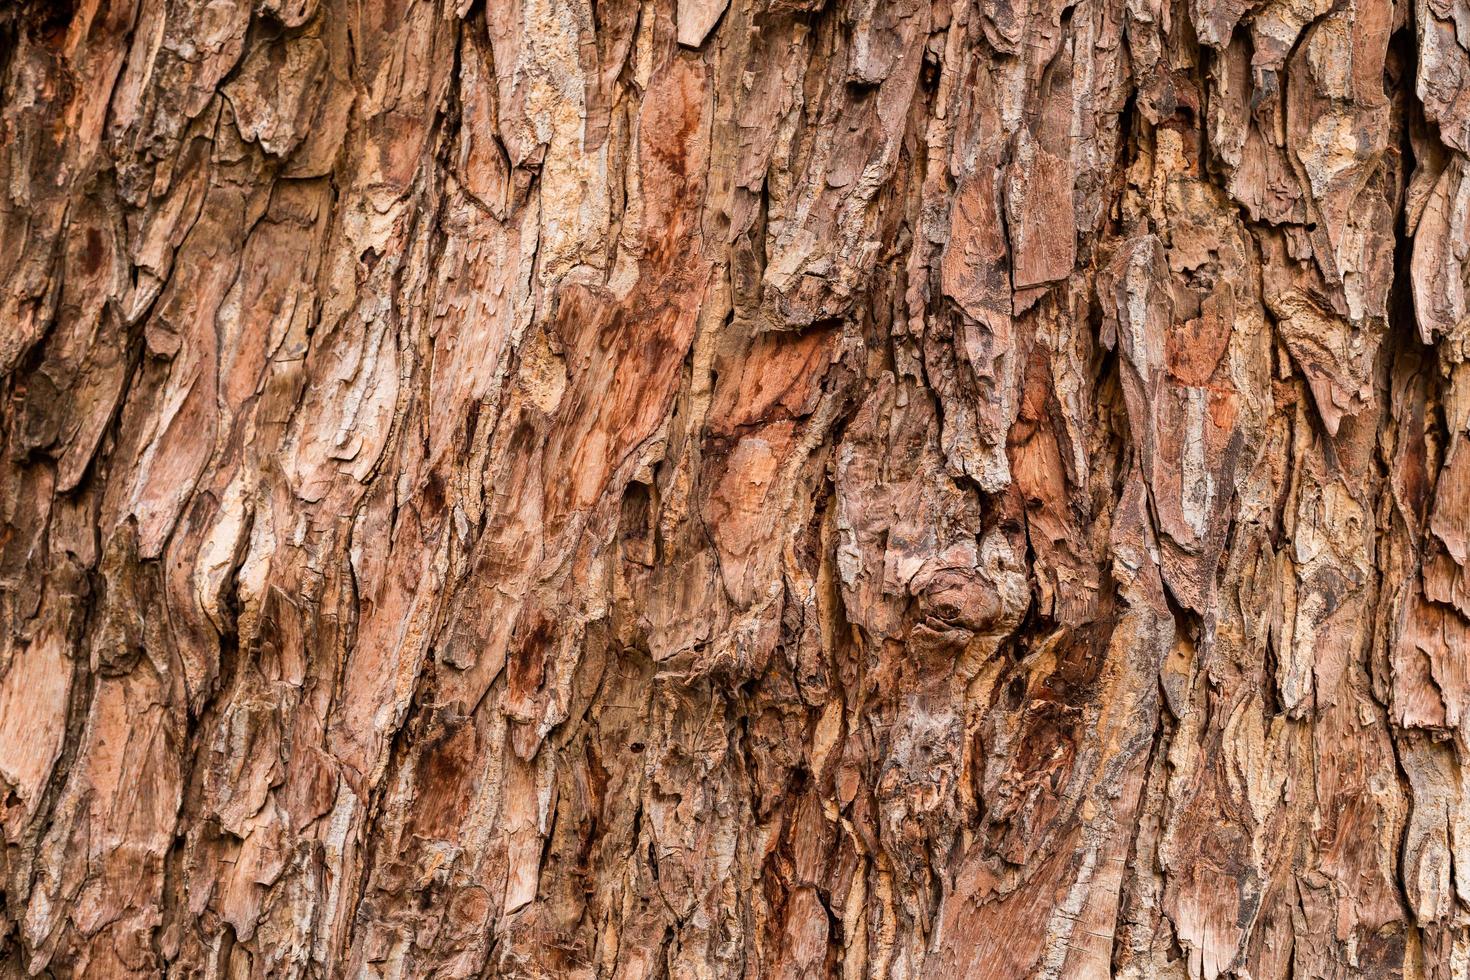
765, 488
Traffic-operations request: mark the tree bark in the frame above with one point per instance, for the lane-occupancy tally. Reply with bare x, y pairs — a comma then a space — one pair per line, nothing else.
735, 488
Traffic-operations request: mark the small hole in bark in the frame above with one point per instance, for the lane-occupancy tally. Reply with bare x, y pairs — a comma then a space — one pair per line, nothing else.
51, 20
471, 424
801, 780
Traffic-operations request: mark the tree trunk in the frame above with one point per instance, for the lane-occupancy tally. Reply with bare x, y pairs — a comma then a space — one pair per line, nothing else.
735, 488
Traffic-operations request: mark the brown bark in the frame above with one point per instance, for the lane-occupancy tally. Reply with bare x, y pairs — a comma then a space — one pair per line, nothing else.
735, 488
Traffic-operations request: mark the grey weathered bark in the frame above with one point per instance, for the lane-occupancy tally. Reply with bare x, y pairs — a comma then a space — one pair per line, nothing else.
863, 488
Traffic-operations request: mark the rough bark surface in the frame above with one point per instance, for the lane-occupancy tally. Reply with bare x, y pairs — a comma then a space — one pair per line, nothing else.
735, 488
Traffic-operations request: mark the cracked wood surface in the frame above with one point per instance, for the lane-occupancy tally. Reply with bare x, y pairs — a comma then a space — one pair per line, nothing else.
735, 488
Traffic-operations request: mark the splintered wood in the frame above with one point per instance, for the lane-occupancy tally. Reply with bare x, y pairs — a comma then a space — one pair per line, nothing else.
735, 488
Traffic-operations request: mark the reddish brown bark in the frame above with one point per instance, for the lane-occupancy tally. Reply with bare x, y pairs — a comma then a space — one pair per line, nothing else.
764, 488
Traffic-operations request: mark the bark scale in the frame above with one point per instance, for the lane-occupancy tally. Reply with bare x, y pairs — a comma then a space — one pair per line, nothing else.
765, 488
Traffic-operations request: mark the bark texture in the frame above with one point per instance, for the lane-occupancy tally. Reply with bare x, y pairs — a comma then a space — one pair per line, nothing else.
735, 488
